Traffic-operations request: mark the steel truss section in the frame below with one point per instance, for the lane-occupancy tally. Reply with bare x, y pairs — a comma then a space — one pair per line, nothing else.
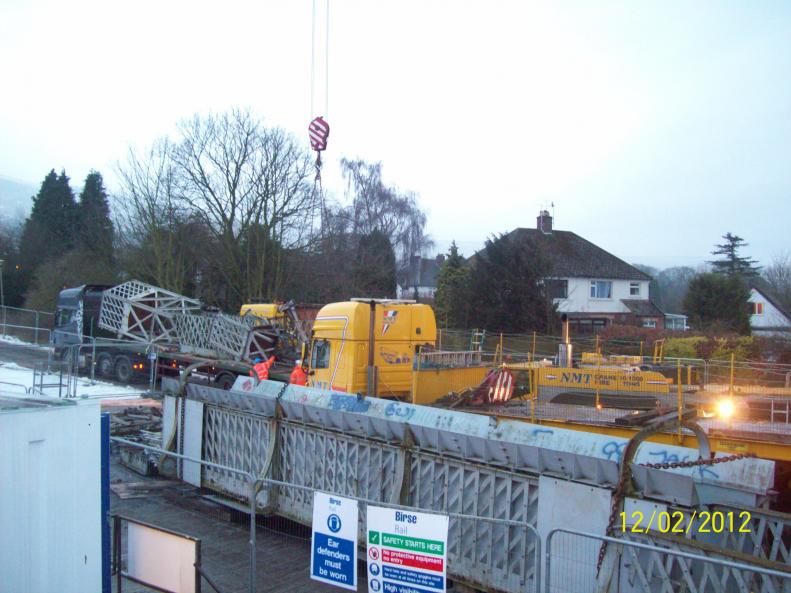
759, 533
481, 552
333, 462
237, 440
651, 571
142, 312
216, 332
449, 462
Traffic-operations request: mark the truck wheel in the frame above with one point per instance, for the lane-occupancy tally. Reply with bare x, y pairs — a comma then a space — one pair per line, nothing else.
123, 369
104, 365
225, 382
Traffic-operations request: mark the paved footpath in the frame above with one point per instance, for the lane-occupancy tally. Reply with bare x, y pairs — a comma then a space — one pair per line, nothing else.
283, 548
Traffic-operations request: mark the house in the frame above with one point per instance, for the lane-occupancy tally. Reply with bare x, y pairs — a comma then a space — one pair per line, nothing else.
767, 316
592, 286
419, 277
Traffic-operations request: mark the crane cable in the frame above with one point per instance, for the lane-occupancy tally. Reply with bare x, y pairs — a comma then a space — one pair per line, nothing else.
326, 59
319, 129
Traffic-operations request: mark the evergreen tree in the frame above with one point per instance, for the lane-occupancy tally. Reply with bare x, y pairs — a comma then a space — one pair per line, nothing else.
374, 268
13, 289
732, 263
451, 301
94, 225
49, 231
508, 293
718, 301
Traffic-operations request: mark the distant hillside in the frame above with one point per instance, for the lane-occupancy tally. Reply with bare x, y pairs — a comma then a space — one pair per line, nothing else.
15, 199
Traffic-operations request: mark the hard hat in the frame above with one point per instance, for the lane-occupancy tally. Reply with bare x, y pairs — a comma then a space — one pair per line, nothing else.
258, 359
298, 362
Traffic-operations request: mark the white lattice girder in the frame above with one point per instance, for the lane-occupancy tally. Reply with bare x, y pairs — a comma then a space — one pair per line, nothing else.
138, 311
142, 312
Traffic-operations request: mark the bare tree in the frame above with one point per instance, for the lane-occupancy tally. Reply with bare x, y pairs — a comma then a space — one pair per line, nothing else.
248, 184
778, 275
153, 220
378, 207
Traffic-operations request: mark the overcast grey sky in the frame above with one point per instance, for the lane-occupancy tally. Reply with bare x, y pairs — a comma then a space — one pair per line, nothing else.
654, 127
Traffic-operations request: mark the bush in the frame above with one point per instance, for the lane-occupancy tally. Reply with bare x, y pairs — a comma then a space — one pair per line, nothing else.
743, 348
684, 347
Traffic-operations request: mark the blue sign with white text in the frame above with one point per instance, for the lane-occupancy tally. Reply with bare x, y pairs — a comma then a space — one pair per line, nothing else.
333, 557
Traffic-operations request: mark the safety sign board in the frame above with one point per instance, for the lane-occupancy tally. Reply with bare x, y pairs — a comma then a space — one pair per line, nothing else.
333, 557
407, 551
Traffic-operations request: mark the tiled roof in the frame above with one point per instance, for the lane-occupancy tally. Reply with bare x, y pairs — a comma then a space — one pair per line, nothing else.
571, 256
643, 308
421, 271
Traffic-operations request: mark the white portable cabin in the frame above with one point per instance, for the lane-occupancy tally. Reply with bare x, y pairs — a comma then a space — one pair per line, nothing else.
50, 499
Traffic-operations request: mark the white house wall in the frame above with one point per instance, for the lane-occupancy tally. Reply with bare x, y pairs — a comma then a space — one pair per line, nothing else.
771, 318
580, 301
50, 506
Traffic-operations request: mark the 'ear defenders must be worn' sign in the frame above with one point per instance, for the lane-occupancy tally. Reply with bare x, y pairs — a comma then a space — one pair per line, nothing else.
333, 557
407, 551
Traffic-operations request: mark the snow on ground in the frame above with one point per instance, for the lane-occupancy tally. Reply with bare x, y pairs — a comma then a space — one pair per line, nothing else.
17, 381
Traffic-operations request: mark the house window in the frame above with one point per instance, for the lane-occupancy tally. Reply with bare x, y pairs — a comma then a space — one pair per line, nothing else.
649, 323
756, 308
634, 289
601, 289
587, 326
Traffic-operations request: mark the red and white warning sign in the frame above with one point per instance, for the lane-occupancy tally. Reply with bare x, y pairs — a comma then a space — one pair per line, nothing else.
407, 551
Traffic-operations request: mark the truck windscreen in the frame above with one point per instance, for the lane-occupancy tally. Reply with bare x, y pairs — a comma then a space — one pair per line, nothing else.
64, 317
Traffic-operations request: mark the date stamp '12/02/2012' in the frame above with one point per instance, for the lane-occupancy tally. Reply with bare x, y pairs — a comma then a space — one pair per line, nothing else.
679, 522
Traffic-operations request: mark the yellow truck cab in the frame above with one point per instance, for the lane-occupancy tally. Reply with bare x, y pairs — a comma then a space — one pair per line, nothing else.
369, 346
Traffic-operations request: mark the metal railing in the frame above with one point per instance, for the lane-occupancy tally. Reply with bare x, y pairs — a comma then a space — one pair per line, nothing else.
26, 390
15, 321
663, 565
20, 332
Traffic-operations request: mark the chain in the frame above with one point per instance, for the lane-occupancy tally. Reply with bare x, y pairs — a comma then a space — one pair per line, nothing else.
698, 462
620, 490
282, 391
617, 497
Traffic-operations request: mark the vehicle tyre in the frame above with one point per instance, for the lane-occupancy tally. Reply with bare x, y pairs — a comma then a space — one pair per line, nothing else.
224, 382
123, 369
104, 365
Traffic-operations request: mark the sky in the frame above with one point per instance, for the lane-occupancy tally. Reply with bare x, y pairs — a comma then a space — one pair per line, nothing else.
653, 127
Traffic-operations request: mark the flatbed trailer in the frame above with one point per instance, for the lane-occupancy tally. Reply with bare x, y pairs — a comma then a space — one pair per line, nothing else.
138, 331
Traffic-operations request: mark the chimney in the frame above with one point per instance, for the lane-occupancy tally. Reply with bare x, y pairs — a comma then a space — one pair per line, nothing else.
544, 222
